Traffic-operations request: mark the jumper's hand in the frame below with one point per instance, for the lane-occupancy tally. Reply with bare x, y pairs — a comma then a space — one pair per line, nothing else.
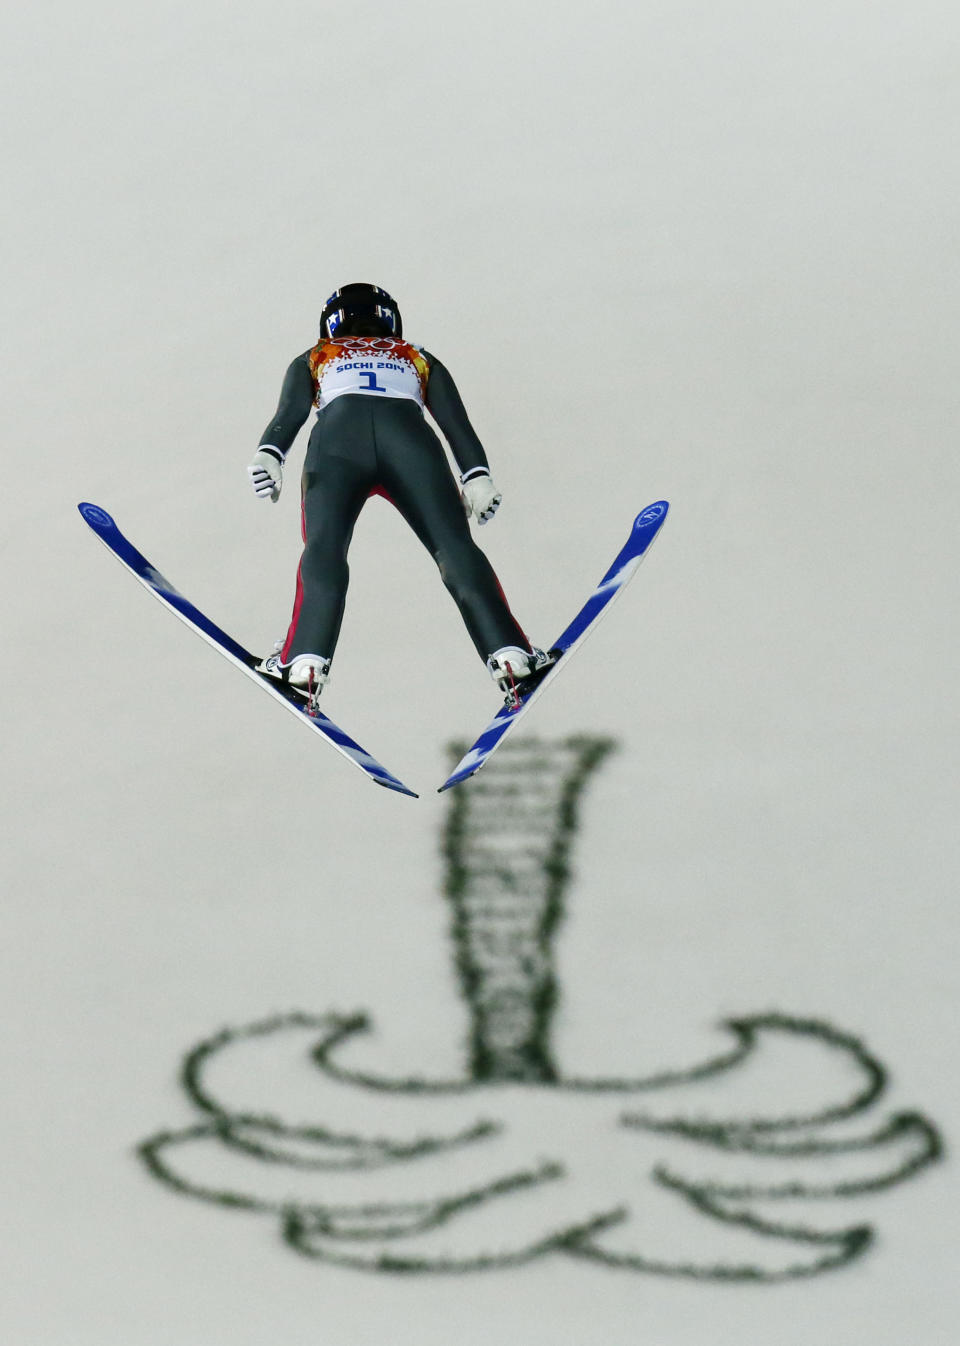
480, 498
266, 475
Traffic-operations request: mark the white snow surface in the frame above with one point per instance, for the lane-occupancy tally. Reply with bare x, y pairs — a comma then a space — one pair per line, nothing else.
691, 251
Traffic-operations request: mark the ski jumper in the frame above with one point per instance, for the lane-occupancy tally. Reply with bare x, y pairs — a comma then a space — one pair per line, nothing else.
371, 437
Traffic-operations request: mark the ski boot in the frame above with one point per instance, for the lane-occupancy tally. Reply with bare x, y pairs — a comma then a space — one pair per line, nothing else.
270, 663
309, 673
516, 672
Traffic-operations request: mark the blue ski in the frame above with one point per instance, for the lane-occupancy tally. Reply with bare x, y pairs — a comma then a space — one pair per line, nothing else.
646, 526
295, 701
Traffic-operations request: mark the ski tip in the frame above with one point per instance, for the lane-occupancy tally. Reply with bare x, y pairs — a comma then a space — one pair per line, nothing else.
97, 518
652, 514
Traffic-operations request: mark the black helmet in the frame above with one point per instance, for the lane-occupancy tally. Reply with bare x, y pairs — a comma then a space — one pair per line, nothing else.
360, 310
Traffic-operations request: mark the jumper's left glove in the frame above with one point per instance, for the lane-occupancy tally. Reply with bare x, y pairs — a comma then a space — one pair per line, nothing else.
480, 497
266, 474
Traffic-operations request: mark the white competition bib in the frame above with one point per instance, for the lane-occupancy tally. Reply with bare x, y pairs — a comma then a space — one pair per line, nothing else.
378, 366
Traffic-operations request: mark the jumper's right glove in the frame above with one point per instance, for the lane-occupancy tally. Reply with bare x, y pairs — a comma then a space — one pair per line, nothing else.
480, 497
266, 474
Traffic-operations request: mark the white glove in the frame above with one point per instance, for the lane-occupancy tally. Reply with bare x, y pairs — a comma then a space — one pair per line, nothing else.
266, 474
480, 498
